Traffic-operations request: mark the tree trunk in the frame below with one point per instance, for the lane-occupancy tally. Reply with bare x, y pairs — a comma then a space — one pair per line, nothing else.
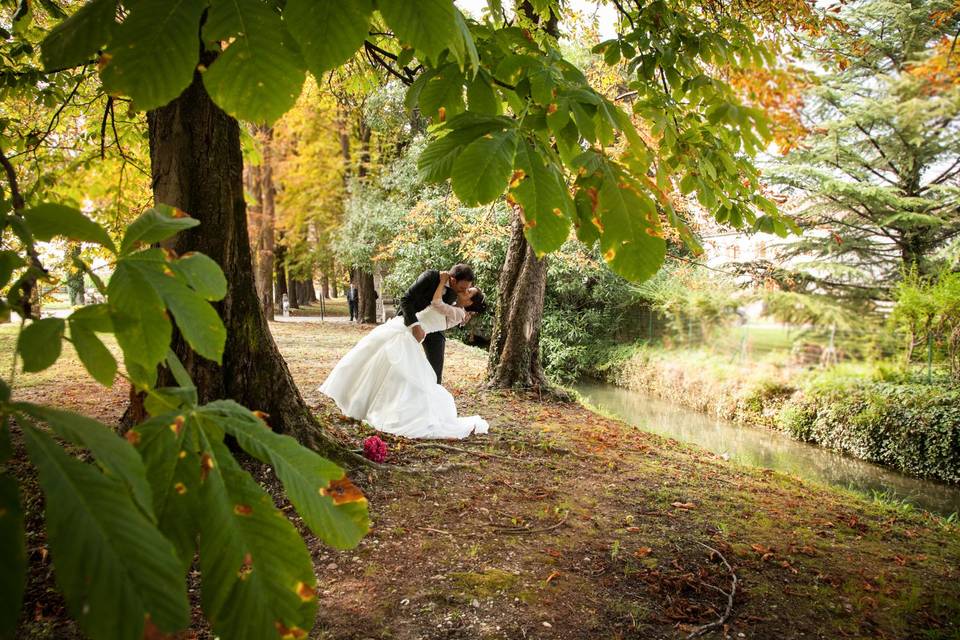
368, 300
75, 279
196, 165
292, 291
265, 228
515, 346
253, 182
280, 276
325, 286
310, 290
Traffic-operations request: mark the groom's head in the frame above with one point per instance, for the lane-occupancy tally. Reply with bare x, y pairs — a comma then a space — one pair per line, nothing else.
461, 277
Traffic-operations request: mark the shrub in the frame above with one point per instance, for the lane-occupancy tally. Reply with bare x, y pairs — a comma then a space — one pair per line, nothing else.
911, 427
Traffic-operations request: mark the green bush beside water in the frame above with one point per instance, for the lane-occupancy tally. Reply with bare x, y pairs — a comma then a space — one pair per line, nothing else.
870, 411
914, 428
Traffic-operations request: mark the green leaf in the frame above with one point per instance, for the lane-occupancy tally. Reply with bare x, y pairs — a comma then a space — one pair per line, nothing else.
587, 231
328, 31
13, 560
436, 160
48, 221
165, 399
154, 225
40, 343
94, 317
196, 318
154, 51
583, 117
464, 49
177, 369
258, 77
139, 318
305, 475
167, 444
632, 242
202, 274
481, 97
412, 99
251, 557
96, 358
545, 203
111, 563
429, 26
481, 173
113, 454
78, 38
9, 260
443, 91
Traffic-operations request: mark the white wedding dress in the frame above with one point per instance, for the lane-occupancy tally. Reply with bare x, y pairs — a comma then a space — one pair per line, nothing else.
387, 382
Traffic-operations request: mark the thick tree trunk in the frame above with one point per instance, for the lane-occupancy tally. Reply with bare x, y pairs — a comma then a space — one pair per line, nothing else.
325, 286
368, 300
265, 229
197, 166
515, 346
310, 290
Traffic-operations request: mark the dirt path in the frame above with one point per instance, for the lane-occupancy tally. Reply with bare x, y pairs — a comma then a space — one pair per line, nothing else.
564, 524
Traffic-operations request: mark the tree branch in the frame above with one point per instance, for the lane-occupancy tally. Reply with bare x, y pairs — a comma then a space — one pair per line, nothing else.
701, 630
28, 284
879, 149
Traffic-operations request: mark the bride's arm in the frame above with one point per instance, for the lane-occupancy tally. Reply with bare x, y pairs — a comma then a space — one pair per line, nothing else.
438, 294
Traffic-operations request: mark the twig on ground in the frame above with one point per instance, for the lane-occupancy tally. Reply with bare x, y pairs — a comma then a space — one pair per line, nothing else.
447, 447
438, 469
701, 630
432, 530
522, 530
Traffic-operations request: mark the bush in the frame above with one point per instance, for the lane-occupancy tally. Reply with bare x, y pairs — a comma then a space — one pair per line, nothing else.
910, 427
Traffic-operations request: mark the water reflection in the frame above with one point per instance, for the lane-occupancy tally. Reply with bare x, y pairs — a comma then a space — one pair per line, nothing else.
767, 448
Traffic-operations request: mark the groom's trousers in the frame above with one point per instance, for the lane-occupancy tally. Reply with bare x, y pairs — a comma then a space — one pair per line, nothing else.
434, 345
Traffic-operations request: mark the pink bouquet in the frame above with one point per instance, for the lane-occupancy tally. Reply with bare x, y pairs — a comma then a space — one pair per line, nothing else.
375, 449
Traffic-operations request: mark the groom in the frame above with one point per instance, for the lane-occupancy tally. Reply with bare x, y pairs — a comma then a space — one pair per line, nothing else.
418, 297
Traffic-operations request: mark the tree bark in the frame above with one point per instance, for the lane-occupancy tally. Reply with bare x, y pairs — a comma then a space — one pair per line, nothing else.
515, 345
253, 181
280, 276
325, 286
75, 279
292, 291
310, 291
265, 228
368, 300
197, 165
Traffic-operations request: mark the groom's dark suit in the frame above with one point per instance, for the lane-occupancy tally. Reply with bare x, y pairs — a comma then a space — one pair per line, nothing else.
417, 298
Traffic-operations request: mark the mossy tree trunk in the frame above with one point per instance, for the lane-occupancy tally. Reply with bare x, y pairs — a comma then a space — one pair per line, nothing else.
514, 360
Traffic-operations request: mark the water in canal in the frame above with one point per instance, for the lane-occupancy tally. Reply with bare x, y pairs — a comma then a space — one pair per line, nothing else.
767, 448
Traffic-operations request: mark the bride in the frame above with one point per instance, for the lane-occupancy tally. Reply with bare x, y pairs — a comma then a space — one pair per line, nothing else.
386, 380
